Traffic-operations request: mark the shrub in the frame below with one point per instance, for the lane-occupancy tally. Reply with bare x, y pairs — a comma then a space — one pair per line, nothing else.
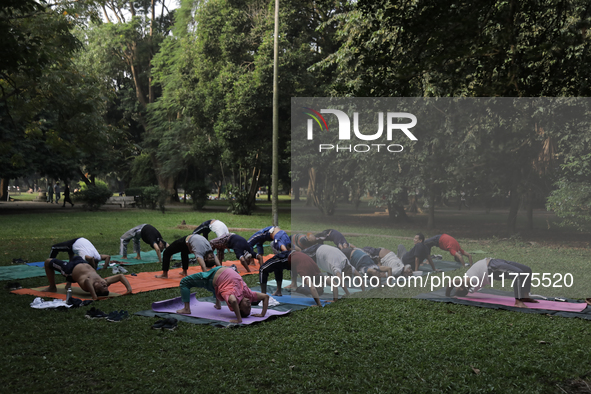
150, 197
240, 202
199, 192
93, 196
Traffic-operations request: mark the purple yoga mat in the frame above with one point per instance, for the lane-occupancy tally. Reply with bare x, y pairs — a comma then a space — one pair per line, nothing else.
206, 310
542, 304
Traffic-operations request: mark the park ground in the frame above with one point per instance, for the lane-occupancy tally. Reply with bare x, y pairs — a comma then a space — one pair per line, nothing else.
376, 344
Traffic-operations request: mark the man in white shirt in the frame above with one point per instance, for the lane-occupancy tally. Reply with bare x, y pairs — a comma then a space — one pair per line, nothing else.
83, 248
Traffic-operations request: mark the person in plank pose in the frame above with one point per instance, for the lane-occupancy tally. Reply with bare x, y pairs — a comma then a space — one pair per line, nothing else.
148, 234
449, 243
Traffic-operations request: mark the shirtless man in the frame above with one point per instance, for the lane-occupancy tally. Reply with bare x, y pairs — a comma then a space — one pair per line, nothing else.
79, 271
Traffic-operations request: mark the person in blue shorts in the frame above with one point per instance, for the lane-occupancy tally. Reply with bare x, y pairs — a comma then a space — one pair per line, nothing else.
238, 244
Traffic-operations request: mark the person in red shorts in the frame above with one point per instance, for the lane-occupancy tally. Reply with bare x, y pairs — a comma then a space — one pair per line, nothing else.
449, 243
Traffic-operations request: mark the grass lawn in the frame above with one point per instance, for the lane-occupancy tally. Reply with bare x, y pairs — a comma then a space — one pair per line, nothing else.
354, 345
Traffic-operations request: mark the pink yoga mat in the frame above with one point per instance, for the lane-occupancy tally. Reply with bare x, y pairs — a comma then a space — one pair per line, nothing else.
206, 310
542, 304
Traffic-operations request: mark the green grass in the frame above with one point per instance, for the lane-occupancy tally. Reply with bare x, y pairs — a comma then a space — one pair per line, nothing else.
354, 345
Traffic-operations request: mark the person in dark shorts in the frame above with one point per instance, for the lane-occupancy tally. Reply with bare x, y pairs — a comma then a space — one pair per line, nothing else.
417, 254
217, 226
178, 246
81, 247
276, 264
334, 236
238, 244
148, 234
280, 241
79, 271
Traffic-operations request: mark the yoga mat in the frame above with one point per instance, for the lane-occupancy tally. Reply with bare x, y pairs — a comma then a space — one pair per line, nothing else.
541, 304
144, 281
272, 286
206, 310
12, 272
37, 264
439, 296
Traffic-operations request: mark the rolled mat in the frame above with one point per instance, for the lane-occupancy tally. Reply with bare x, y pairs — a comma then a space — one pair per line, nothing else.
144, 281
206, 310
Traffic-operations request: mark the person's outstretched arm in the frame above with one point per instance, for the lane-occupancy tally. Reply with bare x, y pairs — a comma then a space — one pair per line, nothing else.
265, 299
158, 252
233, 302
119, 278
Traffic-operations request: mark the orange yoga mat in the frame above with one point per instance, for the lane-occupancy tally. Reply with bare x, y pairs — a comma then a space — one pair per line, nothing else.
144, 281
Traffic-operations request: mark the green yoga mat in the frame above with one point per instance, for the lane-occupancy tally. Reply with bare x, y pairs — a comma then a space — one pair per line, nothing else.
149, 256
12, 272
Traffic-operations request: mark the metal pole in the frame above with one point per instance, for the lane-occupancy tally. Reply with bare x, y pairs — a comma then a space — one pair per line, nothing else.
275, 172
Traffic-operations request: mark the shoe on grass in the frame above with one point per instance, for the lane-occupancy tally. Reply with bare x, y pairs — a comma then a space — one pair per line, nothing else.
117, 316
171, 324
94, 313
159, 324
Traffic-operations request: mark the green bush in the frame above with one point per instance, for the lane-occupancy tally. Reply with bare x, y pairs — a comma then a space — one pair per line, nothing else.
240, 202
199, 192
93, 196
150, 197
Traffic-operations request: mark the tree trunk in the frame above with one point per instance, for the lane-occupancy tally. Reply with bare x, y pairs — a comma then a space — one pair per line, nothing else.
530, 210
4, 189
396, 212
254, 185
296, 191
431, 219
513, 209
309, 194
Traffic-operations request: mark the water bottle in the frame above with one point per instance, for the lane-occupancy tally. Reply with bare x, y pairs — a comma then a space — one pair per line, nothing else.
68, 295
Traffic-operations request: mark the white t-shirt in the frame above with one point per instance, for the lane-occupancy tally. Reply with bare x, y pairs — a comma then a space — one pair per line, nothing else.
478, 270
331, 260
82, 247
219, 228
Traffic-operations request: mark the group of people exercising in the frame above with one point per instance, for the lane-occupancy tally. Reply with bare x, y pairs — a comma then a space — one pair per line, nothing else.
303, 254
